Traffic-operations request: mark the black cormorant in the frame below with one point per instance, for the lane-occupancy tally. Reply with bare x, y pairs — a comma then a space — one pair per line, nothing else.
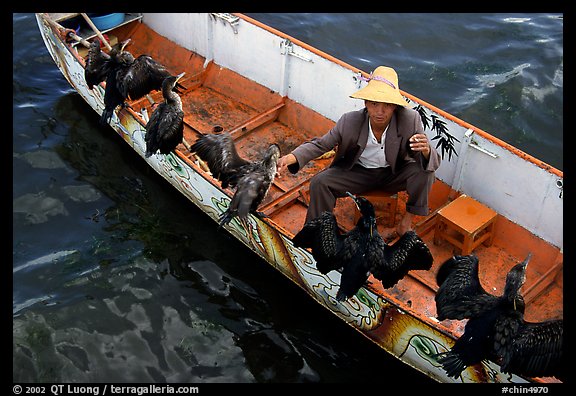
143, 75
496, 328
131, 78
252, 179
361, 250
165, 129
97, 65
120, 62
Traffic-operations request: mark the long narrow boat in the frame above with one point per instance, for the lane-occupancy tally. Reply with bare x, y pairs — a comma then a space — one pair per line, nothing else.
256, 82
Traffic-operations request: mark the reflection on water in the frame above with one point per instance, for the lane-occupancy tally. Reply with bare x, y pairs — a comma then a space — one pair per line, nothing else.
484, 83
37, 207
118, 278
146, 331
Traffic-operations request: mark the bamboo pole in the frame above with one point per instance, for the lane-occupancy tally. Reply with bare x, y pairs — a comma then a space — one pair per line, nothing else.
100, 36
75, 37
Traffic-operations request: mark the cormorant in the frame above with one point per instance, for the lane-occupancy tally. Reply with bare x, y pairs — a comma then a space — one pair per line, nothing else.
252, 179
131, 78
496, 328
120, 62
97, 65
361, 250
143, 75
165, 129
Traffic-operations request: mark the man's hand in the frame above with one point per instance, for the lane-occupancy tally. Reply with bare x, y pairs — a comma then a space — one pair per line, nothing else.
283, 163
419, 142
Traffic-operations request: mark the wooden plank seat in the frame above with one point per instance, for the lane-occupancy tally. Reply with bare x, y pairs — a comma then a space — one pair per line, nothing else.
471, 221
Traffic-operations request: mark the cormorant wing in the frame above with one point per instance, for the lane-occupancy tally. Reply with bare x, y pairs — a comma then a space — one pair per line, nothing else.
408, 253
152, 128
112, 97
165, 124
460, 294
145, 74
247, 195
323, 237
98, 65
536, 350
473, 346
219, 152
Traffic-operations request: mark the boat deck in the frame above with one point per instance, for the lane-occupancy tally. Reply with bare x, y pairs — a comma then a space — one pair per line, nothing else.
257, 117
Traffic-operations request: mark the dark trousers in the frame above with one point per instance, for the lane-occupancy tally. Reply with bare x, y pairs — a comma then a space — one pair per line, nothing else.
333, 183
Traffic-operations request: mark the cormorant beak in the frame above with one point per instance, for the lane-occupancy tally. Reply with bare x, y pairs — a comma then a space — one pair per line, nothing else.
353, 198
179, 87
179, 76
527, 260
125, 43
525, 265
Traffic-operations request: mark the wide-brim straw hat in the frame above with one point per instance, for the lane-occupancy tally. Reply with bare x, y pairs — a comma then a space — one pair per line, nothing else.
382, 87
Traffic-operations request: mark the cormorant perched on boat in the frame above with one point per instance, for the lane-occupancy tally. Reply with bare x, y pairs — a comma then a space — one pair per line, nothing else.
252, 179
120, 62
131, 78
99, 63
165, 129
496, 328
361, 250
143, 75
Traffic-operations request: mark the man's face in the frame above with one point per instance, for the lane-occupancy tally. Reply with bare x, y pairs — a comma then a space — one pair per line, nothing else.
380, 113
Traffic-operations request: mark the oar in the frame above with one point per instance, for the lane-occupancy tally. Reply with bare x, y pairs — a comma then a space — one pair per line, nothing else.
96, 30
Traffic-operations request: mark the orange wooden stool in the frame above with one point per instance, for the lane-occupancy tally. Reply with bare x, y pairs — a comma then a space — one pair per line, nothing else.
467, 218
385, 205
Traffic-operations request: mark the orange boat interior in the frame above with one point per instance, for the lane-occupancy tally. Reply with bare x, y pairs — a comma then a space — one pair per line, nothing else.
257, 117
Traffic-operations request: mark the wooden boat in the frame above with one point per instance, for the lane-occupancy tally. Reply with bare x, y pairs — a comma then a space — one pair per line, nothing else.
264, 87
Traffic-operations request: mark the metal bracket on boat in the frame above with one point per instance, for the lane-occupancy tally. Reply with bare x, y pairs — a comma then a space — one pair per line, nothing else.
475, 145
287, 47
227, 17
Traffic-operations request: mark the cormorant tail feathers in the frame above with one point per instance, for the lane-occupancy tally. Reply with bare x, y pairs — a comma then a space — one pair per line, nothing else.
354, 276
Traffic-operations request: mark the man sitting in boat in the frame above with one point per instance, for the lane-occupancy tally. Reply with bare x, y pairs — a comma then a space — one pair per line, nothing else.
383, 146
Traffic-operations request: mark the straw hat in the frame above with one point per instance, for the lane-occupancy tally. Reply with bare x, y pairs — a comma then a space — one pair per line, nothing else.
382, 87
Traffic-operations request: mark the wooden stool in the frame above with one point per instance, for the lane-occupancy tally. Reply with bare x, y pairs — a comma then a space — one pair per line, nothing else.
468, 218
385, 205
